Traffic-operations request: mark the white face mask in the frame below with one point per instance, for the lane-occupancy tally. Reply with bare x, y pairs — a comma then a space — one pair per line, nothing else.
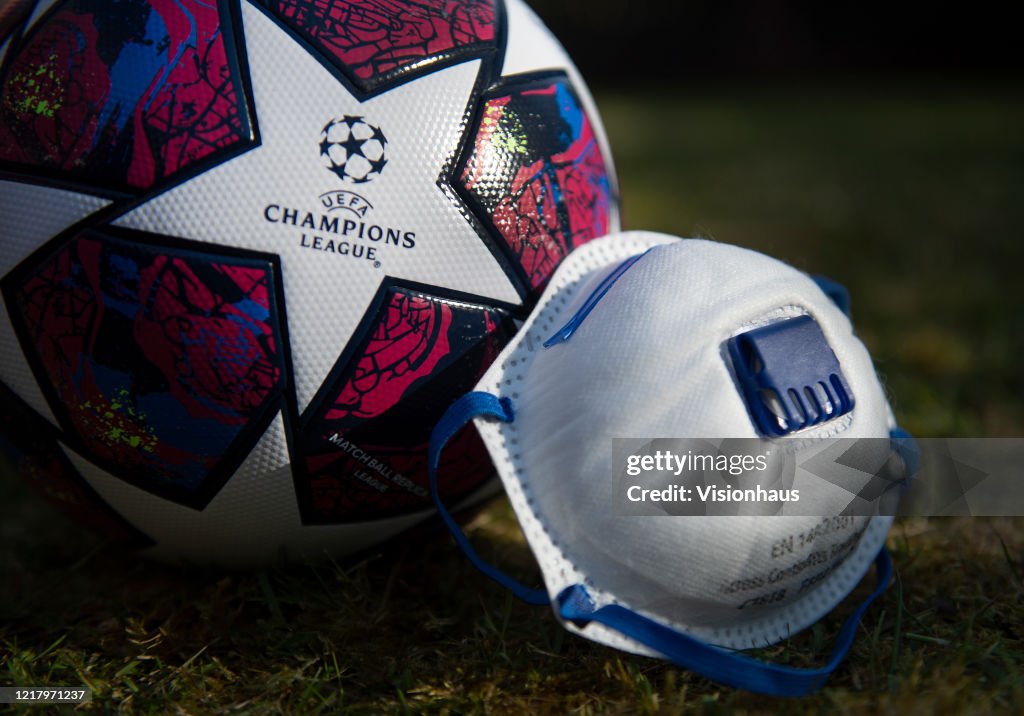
646, 354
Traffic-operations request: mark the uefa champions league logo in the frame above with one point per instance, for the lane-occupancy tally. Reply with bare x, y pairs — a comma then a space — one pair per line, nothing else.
353, 149
356, 152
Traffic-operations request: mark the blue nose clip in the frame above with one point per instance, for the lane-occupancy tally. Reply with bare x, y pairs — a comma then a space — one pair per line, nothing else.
789, 376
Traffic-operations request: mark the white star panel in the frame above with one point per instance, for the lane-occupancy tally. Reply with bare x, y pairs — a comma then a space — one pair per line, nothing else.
327, 294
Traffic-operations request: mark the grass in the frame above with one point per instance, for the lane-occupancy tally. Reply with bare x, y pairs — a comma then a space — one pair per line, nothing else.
910, 195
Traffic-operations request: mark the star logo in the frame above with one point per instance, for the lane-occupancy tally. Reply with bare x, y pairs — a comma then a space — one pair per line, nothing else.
353, 149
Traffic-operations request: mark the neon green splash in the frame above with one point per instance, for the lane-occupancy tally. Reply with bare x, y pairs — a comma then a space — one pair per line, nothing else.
37, 91
511, 135
118, 422
506, 129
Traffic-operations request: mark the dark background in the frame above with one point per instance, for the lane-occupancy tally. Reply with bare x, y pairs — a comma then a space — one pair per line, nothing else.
627, 41
640, 41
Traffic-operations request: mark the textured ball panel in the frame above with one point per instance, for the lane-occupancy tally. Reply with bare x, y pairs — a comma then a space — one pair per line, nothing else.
376, 42
122, 95
156, 359
31, 215
253, 522
250, 520
29, 445
536, 170
365, 447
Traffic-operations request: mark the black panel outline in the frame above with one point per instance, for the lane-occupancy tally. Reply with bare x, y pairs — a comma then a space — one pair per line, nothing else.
346, 362
137, 538
494, 240
229, 13
490, 57
248, 436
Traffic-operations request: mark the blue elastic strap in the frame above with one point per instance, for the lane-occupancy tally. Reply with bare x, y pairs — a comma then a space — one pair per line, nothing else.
836, 291
908, 450
461, 412
575, 605
565, 332
726, 667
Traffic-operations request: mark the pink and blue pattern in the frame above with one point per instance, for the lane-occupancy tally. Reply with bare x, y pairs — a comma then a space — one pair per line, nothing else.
123, 94
155, 359
536, 170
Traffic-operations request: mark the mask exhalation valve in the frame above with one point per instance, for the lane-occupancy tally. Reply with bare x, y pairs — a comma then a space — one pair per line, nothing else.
789, 376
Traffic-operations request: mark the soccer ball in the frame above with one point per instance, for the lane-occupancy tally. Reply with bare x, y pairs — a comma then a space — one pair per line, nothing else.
253, 248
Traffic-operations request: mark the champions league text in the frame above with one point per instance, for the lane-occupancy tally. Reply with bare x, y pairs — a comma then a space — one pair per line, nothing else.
337, 235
